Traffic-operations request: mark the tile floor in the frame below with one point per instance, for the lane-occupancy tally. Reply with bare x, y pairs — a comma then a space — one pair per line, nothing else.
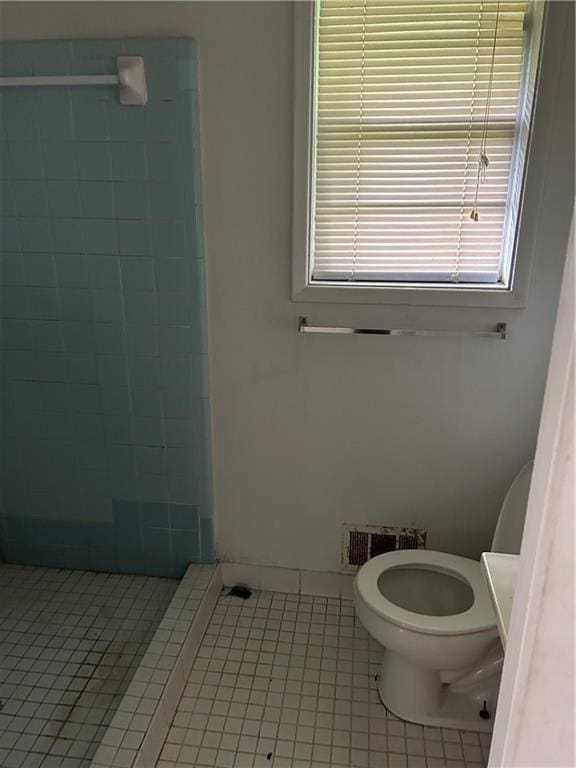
69, 644
288, 681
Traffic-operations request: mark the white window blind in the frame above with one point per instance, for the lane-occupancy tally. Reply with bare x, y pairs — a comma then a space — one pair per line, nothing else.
407, 96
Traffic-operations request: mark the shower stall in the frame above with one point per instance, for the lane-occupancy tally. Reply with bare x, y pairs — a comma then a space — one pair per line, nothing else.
105, 463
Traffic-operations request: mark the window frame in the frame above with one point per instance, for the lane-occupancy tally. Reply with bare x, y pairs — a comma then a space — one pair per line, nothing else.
306, 290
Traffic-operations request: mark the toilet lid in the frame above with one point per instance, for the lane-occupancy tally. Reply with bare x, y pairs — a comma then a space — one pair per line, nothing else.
480, 615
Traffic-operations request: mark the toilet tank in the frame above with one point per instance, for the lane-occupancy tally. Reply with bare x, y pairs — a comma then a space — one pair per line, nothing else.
510, 525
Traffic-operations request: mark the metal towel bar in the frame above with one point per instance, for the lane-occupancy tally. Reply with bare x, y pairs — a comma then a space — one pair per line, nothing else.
498, 333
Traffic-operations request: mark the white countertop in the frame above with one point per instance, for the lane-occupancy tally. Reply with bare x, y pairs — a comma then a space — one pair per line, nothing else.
500, 573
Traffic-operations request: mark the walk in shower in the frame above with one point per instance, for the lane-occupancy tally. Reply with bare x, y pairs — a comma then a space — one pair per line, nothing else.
105, 476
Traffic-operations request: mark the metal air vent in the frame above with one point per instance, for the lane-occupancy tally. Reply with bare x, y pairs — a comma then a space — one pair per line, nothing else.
361, 542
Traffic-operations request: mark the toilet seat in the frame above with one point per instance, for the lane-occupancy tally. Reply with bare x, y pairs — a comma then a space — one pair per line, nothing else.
480, 616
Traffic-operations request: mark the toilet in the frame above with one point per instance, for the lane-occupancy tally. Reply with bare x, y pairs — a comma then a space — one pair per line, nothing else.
433, 614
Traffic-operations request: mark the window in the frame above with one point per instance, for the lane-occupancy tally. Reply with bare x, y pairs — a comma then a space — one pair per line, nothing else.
420, 114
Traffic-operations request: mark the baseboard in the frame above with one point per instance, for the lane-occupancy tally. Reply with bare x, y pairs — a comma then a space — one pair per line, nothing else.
277, 579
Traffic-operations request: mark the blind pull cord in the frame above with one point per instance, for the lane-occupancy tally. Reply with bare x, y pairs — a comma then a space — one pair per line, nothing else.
483, 160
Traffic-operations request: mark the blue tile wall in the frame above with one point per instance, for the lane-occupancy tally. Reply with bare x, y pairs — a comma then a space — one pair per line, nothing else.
105, 414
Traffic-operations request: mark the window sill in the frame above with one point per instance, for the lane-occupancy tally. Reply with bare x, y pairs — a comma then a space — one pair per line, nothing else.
432, 297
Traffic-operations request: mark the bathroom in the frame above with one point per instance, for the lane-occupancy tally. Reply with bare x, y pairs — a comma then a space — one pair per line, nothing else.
167, 431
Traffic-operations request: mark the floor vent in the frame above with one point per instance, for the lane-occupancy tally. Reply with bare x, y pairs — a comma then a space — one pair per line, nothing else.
361, 542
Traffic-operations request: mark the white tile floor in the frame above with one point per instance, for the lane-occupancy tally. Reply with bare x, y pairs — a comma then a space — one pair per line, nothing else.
69, 644
288, 681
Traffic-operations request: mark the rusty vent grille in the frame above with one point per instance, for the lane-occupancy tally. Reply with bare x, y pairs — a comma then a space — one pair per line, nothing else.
361, 542
358, 547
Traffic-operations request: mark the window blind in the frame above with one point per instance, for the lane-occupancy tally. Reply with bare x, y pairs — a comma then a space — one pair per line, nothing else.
408, 95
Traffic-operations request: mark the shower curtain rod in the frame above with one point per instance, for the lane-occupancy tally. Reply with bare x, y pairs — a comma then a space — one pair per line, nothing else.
130, 78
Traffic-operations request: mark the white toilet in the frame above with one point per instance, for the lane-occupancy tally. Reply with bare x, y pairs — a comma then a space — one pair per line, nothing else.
432, 613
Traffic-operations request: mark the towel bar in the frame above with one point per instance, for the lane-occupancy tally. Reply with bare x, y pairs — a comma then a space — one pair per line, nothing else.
498, 333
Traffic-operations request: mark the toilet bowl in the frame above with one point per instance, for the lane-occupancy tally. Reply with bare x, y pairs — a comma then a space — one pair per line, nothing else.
433, 614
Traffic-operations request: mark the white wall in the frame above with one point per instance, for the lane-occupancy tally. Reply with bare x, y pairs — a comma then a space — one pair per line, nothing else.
309, 431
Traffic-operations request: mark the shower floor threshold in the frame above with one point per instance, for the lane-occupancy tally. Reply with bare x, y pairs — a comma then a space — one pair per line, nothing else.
136, 733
